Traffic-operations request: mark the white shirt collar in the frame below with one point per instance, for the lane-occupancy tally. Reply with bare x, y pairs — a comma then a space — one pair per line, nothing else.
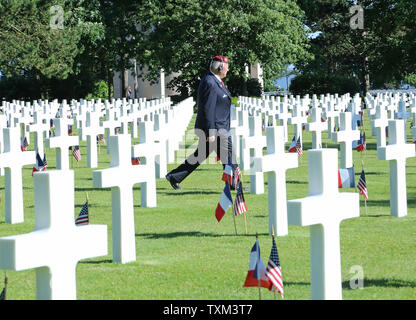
216, 76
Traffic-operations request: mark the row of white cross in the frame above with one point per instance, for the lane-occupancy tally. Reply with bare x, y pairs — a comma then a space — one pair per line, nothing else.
55, 245
334, 207
246, 122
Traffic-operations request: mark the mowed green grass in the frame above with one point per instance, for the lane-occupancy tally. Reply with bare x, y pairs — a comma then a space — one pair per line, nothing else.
184, 253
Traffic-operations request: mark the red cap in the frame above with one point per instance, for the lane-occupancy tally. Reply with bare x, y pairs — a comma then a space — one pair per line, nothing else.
220, 58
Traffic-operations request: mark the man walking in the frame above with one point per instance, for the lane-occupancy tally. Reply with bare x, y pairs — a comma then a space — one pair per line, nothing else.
212, 125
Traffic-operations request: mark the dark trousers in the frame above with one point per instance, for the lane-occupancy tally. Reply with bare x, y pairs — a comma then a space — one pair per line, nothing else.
223, 147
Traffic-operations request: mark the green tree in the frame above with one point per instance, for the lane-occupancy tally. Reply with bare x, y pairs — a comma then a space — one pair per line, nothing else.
381, 52
34, 36
182, 36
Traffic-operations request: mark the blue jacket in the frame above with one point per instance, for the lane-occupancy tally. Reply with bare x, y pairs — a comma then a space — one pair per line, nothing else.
214, 103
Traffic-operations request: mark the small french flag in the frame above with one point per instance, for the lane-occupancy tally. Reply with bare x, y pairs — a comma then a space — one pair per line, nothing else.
346, 178
256, 269
227, 175
225, 202
292, 147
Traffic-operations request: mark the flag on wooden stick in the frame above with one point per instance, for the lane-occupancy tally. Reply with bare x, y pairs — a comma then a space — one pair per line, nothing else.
237, 176
225, 202
274, 271
257, 274
227, 175
362, 144
362, 185
76, 153
83, 218
239, 206
41, 165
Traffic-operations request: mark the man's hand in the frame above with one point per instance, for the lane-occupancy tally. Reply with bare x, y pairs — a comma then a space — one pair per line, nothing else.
211, 139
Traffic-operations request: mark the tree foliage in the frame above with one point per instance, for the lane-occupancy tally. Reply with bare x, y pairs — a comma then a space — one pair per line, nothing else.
381, 52
28, 42
96, 38
183, 35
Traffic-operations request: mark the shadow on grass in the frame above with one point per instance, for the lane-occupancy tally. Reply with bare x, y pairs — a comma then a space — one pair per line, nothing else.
371, 146
378, 203
296, 182
97, 261
411, 203
395, 283
374, 215
182, 193
369, 173
288, 283
196, 234
92, 189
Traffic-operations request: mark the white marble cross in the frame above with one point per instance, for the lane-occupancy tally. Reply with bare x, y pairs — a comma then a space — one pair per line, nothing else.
38, 127
356, 116
403, 115
23, 120
125, 119
62, 141
275, 163
331, 117
91, 130
242, 132
316, 126
160, 137
323, 210
154, 153
3, 125
345, 136
121, 177
109, 125
80, 115
297, 120
13, 159
283, 116
55, 245
255, 142
173, 141
380, 122
136, 116
396, 152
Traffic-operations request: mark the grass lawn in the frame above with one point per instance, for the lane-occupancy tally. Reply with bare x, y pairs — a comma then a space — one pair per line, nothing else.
184, 253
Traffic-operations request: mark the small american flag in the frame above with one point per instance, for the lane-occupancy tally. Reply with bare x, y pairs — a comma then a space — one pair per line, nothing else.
299, 147
69, 129
239, 206
362, 185
40, 165
45, 164
76, 153
25, 143
83, 216
274, 271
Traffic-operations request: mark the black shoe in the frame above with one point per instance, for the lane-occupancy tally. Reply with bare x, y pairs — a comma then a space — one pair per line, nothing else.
173, 182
